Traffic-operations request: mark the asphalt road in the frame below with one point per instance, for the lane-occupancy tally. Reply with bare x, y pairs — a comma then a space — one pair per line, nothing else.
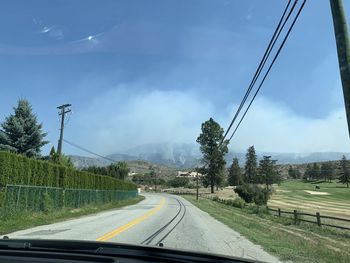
163, 218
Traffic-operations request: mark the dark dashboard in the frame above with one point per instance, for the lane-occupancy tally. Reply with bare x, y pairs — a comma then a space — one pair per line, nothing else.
52, 251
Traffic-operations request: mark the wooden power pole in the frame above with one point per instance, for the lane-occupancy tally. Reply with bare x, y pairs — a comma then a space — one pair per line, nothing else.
197, 186
62, 113
343, 48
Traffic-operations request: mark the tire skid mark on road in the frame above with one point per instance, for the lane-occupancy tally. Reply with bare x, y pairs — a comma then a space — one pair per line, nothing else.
132, 223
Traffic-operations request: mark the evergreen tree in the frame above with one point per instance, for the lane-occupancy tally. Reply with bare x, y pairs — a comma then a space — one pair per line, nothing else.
326, 171
53, 155
267, 172
344, 173
219, 179
235, 174
297, 173
250, 169
308, 172
213, 152
119, 170
294, 172
291, 172
21, 132
315, 172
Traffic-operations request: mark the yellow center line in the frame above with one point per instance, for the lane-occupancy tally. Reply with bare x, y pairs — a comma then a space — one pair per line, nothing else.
132, 223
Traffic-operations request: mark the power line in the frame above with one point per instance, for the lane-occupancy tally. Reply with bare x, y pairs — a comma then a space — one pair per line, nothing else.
270, 47
270, 67
266, 55
88, 151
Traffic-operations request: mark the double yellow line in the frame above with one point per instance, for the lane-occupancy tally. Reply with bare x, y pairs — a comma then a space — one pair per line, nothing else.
132, 223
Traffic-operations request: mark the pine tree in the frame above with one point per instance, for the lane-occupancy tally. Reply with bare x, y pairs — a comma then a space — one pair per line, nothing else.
235, 174
267, 172
297, 173
326, 171
213, 152
21, 131
344, 173
250, 169
308, 172
292, 172
315, 173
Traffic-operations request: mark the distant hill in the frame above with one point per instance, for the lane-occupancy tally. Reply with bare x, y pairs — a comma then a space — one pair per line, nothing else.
83, 161
136, 166
187, 155
179, 155
163, 171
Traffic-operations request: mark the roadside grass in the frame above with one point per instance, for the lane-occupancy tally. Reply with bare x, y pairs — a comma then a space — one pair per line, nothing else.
26, 220
278, 236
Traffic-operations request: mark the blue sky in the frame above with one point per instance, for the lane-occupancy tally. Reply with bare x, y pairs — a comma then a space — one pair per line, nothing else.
140, 72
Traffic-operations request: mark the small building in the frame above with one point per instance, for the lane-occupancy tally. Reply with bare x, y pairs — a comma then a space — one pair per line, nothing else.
188, 174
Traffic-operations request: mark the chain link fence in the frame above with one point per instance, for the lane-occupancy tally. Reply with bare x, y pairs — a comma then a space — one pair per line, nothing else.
19, 198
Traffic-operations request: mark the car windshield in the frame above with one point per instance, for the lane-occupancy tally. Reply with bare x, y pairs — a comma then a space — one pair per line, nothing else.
216, 126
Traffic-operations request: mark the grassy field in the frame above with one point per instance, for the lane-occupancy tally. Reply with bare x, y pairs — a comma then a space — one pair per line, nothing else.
302, 243
23, 221
292, 195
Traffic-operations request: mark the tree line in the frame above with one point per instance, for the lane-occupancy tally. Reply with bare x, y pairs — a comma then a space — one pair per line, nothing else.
326, 171
249, 180
119, 170
253, 173
214, 147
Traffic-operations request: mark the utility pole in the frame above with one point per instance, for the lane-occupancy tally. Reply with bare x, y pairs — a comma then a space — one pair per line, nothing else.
155, 182
197, 186
343, 48
62, 113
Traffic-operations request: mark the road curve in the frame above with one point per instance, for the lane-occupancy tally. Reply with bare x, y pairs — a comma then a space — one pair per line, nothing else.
164, 218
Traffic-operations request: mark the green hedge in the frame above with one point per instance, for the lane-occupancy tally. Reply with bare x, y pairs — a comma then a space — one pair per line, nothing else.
16, 169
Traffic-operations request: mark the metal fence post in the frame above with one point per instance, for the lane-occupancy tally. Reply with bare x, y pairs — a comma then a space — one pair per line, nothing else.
318, 216
26, 195
18, 196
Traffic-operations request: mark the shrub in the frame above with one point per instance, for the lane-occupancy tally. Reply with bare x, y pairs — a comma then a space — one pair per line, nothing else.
245, 192
238, 202
253, 193
46, 203
216, 198
179, 182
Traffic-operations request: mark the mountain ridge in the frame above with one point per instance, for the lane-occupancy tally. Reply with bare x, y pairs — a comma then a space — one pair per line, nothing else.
187, 155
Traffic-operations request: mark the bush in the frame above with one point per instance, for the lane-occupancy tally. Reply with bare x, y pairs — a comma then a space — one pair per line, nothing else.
179, 182
215, 198
245, 192
253, 193
47, 203
237, 202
